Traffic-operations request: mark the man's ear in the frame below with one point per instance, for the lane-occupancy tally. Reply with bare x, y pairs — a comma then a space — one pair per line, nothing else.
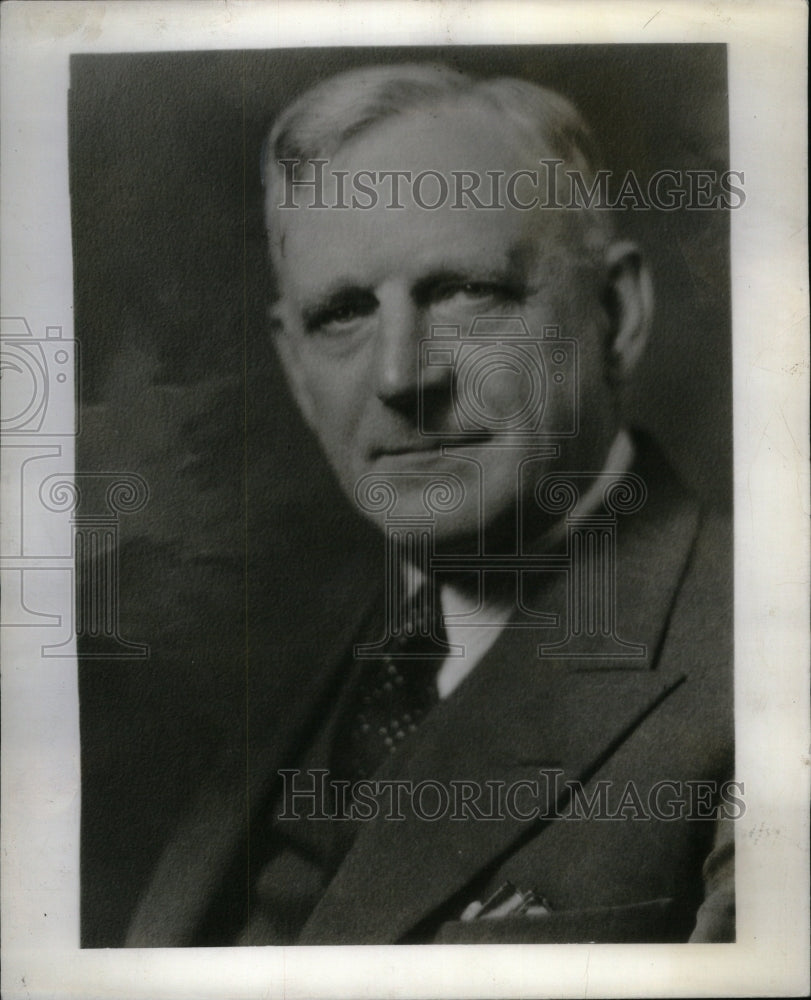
291, 362
628, 300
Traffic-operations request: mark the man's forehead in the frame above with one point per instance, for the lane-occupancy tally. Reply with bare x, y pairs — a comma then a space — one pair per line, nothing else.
323, 249
331, 270
422, 220
456, 154
454, 135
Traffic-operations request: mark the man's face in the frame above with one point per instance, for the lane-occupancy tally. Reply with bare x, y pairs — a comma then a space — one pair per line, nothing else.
362, 288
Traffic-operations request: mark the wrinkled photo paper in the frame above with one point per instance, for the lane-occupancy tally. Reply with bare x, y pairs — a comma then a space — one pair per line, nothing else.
404, 456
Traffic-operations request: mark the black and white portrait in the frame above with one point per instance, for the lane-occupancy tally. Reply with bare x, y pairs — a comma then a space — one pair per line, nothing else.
435, 571
403, 458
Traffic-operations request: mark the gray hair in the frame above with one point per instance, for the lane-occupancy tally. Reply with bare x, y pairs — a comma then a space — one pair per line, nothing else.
330, 114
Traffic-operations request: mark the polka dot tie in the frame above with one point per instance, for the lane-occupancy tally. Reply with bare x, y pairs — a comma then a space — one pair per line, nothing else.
393, 693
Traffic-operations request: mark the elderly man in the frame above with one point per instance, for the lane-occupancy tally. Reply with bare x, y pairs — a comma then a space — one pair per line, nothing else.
521, 731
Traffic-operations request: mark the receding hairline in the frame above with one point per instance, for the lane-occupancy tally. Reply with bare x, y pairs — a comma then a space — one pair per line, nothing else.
334, 112
331, 113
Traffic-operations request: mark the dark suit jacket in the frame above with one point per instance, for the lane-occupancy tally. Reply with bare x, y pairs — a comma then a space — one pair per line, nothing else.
664, 717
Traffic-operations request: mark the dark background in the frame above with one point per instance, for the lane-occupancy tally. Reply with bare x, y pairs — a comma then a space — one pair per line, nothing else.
235, 550
169, 240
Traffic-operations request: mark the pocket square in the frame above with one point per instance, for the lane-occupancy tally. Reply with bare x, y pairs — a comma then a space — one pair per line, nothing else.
656, 921
507, 901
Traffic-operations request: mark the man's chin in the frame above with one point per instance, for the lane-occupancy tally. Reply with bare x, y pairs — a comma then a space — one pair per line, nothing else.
444, 499
451, 527
425, 488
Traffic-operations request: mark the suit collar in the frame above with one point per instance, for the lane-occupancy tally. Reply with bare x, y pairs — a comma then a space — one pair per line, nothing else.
515, 715
398, 872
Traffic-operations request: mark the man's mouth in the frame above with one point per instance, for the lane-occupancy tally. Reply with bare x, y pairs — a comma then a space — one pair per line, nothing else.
428, 447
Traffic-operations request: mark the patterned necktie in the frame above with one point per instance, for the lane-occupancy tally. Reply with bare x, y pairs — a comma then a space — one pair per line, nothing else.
394, 692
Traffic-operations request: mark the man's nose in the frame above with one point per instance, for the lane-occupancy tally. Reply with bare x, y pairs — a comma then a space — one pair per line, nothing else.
400, 372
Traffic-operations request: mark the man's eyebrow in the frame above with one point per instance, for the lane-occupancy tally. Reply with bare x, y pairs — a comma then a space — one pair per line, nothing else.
512, 272
511, 276
513, 265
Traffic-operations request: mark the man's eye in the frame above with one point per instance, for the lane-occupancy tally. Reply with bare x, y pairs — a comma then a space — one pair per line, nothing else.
340, 316
345, 314
474, 292
479, 289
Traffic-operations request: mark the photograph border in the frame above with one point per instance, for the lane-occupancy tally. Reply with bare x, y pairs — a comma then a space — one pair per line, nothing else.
40, 777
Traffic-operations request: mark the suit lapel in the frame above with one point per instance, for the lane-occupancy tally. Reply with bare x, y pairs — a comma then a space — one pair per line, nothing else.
514, 716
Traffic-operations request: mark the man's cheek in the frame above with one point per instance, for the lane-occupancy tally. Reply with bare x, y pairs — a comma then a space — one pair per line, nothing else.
505, 393
338, 416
